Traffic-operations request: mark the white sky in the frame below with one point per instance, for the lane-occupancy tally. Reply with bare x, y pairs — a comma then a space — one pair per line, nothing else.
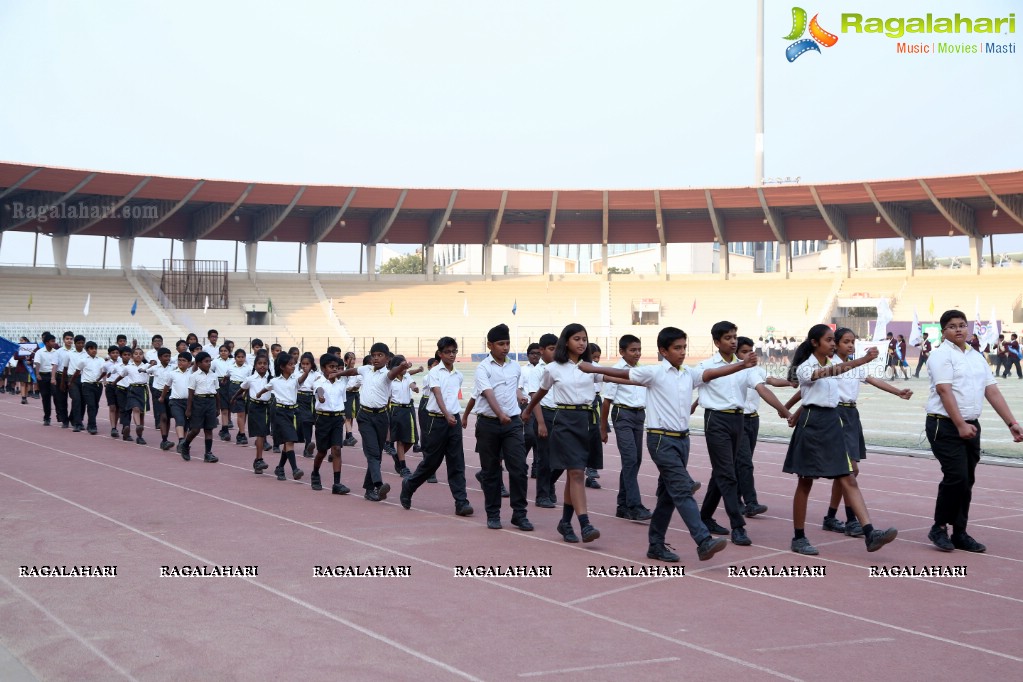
463, 94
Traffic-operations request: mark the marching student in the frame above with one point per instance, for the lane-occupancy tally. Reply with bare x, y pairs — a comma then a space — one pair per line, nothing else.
110, 387
304, 412
220, 367
817, 448
529, 381
202, 408
123, 383
669, 395
372, 415
256, 345
159, 376
60, 403
442, 432
191, 338
597, 437
257, 414
499, 431
211, 345
77, 356
284, 387
423, 399
47, 362
175, 396
571, 434
181, 346
900, 349
135, 376
1012, 357
89, 376
724, 402
351, 399
545, 413
960, 383
153, 354
330, 421
401, 413
238, 371
925, 352
626, 406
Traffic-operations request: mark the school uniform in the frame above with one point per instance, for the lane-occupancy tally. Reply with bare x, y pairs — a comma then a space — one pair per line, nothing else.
442, 442
546, 476
152, 355
529, 383
203, 387
596, 445
574, 422
47, 366
723, 401
212, 348
91, 370
330, 414
75, 387
158, 379
817, 448
221, 368
352, 396
257, 408
1012, 359
372, 419
122, 383
236, 374
967, 375
748, 442
424, 398
137, 379
669, 395
499, 442
306, 400
60, 402
628, 416
285, 408
177, 396
849, 385
110, 383
401, 414
925, 351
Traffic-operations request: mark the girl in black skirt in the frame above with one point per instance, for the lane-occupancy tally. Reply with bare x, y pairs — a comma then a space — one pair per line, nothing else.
285, 420
257, 415
817, 448
306, 418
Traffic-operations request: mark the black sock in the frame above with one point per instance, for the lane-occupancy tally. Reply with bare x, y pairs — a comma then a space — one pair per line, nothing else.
337, 478
241, 434
831, 512
284, 458
566, 513
867, 530
800, 533
956, 530
584, 520
291, 459
850, 515
209, 444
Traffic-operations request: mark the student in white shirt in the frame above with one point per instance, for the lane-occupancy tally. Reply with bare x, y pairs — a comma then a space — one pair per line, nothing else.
351, 399
239, 370
329, 394
110, 387
203, 406
284, 387
220, 367
175, 395
817, 448
669, 394
257, 410
153, 354
60, 403
158, 381
135, 377
401, 413
442, 431
211, 346
626, 406
596, 444
423, 399
122, 383
529, 381
47, 365
90, 375
544, 413
75, 385
304, 413
960, 383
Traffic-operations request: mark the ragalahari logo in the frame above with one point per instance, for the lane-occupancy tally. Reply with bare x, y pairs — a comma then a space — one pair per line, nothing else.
802, 45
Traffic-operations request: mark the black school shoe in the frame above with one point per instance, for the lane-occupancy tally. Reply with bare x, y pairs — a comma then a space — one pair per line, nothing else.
589, 533
662, 552
521, 522
405, 497
592, 473
308, 451
296, 474
592, 483
544, 503
166, 444
504, 491
258, 465
279, 471
378, 494
715, 527
350, 441
77, 428
432, 479
964, 542
314, 481
494, 523
339, 489
210, 458
140, 441
92, 431
113, 432
225, 435
709, 547
46, 421
754, 510
183, 450
880, 538
739, 537
464, 510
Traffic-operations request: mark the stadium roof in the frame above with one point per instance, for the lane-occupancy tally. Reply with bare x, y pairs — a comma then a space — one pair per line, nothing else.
126, 206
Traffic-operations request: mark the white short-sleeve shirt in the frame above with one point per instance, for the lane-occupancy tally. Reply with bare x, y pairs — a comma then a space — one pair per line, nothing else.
968, 374
824, 391
568, 384
669, 394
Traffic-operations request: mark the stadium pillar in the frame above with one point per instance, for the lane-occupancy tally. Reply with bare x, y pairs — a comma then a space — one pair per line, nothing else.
371, 261
603, 261
488, 262
126, 247
189, 246
723, 260
664, 262
783, 258
909, 253
976, 253
310, 260
845, 257
251, 255
546, 260
428, 262
60, 246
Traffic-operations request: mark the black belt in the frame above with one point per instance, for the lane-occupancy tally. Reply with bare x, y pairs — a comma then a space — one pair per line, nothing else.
134, 384
205, 395
628, 407
305, 392
96, 382
752, 414
588, 407
436, 414
729, 411
409, 404
673, 434
852, 404
235, 382
376, 410
286, 407
331, 414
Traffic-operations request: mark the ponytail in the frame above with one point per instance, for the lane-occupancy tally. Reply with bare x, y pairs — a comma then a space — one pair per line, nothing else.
805, 349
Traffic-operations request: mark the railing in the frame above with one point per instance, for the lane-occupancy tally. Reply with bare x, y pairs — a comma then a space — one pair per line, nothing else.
195, 283
177, 316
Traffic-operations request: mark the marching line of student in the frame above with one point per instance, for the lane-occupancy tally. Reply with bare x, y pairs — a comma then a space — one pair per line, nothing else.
560, 406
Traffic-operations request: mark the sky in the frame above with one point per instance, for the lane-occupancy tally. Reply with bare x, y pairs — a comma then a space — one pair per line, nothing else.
529, 94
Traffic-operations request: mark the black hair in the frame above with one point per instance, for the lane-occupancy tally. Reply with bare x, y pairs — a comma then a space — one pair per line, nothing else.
328, 358
157, 336
395, 361
333, 350
561, 350
224, 346
47, 336
442, 343
253, 342
349, 354
212, 331
240, 351
310, 357
950, 315
67, 334
668, 336
548, 340
79, 337
379, 347
90, 344
805, 349
185, 356
627, 340
126, 350
594, 348
432, 361
162, 352
532, 347
498, 333
367, 359
191, 335
277, 346
743, 341
122, 336
200, 356
295, 349
111, 349
842, 331
281, 362
721, 328
179, 342
192, 347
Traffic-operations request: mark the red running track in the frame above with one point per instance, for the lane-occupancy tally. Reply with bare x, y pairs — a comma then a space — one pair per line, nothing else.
75, 499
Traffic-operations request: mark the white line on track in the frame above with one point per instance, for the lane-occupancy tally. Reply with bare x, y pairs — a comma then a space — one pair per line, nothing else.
623, 664
793, 647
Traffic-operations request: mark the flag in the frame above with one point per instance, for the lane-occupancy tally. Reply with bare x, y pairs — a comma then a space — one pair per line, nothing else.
694, 307
465, 307
760, 308
515, 306
990, 337
30, 301
806, 306
269, 306
392, 307
884, 316
932, 307
134, 307
916, 333
85, 310
206, 305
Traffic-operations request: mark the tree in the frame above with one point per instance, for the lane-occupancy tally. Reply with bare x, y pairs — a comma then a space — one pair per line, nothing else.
409, 264
896, 258
614, 270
